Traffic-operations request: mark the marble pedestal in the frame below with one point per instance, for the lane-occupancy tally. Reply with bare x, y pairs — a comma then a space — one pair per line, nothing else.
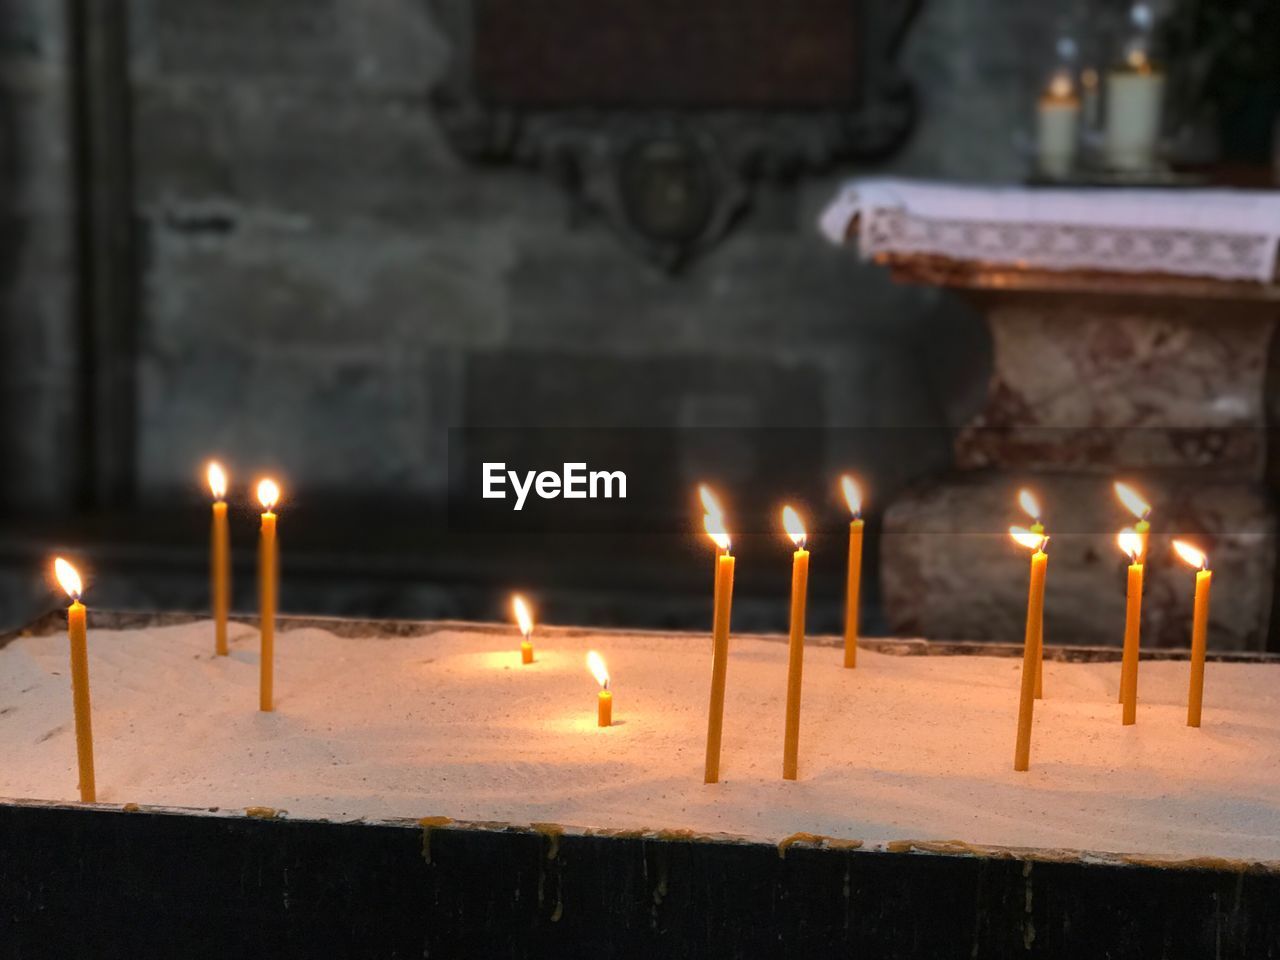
1159, 381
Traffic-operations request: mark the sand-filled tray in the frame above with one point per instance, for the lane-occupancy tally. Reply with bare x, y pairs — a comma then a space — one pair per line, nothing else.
425, 759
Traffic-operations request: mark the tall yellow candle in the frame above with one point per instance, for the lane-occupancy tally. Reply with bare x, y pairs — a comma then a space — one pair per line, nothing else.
1031, 652
524, 619
719, 644
1131, 543
604, 702
1199, 628
268, 583
219, 559
795, 660
77, 635
1031, 506
1136, 504
853, 587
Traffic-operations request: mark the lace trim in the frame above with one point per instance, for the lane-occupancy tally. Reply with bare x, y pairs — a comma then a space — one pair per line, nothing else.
1061, 246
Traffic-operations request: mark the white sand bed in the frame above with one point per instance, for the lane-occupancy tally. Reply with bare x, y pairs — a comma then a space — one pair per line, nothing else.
449, 723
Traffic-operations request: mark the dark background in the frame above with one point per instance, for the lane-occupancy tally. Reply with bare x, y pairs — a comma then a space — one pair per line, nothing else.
236, 229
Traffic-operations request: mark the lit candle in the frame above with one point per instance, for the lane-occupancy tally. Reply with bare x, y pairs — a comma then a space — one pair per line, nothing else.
268, 581
1033, 640
604, 704
853, 497
1031, 507
795, 664
1199, 627
1136, 504
1135, 96
714, 525
219, 558
76, 634
525, 621
1057, 120
1131, 543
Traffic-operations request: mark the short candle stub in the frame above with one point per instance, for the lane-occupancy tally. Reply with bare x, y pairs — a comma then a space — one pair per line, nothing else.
604, 703
524, 620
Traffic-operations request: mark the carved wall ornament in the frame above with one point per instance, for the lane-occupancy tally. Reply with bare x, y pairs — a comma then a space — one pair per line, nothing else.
661, 116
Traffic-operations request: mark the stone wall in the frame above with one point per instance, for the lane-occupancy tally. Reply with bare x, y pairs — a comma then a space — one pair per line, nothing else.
38, 460
324, 281
325, 287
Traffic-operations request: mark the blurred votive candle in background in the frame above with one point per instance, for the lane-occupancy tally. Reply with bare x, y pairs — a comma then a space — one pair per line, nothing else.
1135, 95
1057, 123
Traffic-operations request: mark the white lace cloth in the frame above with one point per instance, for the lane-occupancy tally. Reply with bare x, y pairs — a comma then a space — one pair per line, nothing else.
1226, 234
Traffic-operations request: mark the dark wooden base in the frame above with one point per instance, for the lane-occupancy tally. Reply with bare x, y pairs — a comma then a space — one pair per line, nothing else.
102, 882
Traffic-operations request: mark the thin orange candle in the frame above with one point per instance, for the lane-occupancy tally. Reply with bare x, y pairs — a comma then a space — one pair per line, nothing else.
1130, 542
853, 585
1199, 627
1136, 504
604, 703
69, 577
524, 619
268, 582
719, 642
1031, 654
795, 661
1031, 507
219, 558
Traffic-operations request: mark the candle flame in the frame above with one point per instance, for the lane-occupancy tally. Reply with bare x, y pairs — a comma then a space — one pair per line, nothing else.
595, 663
523, 617
852, 495
713, 523
794, 526
1191, 555
1060, 86
710, 503
217, 480
1030, 505
68, 576
1130, 541
1132, 500
1138, 60
1025, 538
268, 494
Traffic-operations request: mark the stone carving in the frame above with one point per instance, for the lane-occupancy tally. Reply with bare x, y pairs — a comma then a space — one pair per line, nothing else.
671, 165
